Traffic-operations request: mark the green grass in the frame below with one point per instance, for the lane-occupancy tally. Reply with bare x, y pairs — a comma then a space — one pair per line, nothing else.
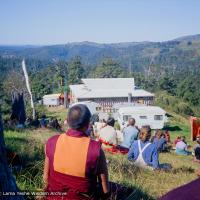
147, 184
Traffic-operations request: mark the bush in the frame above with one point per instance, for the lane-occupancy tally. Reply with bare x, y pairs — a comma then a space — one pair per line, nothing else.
183, 108
40, 110
174, 104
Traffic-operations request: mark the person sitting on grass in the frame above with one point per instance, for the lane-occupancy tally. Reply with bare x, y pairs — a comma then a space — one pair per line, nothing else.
160, 141
43, 121
142, 152
197, 150
178, 139
98, 126
130, 133
74, 162
108, 134
167, 136
182, 147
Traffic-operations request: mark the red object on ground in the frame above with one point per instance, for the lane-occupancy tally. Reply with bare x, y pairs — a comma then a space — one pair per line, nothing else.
195, 127
113, 149
116, 151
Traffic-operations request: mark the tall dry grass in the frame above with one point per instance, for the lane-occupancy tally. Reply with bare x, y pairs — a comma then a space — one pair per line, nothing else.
144, 184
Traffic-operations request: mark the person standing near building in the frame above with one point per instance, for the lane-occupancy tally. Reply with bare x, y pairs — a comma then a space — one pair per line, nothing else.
74, 162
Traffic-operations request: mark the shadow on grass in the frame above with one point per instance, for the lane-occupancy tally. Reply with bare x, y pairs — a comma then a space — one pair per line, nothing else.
183, 169
28, 150
173, 128
168, 115
120, 192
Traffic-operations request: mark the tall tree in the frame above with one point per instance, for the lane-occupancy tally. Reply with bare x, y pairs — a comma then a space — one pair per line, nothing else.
109, 69
75, 71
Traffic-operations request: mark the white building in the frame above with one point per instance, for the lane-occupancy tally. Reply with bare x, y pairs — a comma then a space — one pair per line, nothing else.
53, 99
109, 91
153, 116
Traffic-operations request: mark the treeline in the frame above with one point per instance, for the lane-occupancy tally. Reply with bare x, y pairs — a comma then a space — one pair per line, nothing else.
181, 89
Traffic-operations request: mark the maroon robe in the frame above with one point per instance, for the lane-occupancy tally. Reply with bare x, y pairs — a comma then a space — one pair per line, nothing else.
75, 187
190, 191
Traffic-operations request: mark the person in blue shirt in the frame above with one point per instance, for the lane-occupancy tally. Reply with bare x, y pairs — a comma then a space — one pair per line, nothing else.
130, 133
142, 152
160, 141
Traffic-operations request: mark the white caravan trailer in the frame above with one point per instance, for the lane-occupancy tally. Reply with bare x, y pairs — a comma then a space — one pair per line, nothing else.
153, 116
92, 106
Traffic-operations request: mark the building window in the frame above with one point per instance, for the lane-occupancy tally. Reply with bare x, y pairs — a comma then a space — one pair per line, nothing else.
126, 117
158, 117
143, 117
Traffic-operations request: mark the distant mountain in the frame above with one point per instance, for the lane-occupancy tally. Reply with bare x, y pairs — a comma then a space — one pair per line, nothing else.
189, 38
175, 55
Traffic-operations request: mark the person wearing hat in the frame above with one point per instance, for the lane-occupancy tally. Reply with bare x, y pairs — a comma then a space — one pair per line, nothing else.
74, 162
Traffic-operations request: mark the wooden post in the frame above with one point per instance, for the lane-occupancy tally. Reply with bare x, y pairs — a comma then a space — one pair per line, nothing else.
7, 181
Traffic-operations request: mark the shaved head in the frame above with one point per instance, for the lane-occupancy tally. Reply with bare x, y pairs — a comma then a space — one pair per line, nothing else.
78, 117
131, 122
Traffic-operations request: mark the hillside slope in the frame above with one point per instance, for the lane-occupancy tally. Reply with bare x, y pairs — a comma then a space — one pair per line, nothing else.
175, 55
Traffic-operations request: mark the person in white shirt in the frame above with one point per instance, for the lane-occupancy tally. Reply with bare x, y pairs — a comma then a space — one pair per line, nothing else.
108, 134
97, 127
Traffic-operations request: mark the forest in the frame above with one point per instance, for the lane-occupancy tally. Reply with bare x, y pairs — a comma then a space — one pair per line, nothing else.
169, 69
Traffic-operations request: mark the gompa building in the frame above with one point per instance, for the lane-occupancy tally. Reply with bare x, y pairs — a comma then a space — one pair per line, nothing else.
109, 91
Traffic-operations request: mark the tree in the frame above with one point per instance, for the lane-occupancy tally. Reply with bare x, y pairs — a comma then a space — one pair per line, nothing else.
168, 84
75, 71
15, 82
7, 181
183, 108
109, 69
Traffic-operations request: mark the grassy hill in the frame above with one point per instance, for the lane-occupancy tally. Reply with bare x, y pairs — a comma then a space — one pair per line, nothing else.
29, 144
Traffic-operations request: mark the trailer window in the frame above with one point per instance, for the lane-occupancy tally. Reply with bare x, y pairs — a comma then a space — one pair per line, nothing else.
143, 117
126, 117
158, 117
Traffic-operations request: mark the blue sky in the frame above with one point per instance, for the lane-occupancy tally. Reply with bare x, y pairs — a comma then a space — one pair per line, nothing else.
104, 21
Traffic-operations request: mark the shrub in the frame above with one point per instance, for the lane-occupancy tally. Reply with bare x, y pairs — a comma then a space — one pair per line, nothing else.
183, 108
40, 110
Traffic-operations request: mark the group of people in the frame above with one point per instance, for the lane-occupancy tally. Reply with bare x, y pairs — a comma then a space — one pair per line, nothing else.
142, 149
43, 122
123, 140
75, 162
182, 148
